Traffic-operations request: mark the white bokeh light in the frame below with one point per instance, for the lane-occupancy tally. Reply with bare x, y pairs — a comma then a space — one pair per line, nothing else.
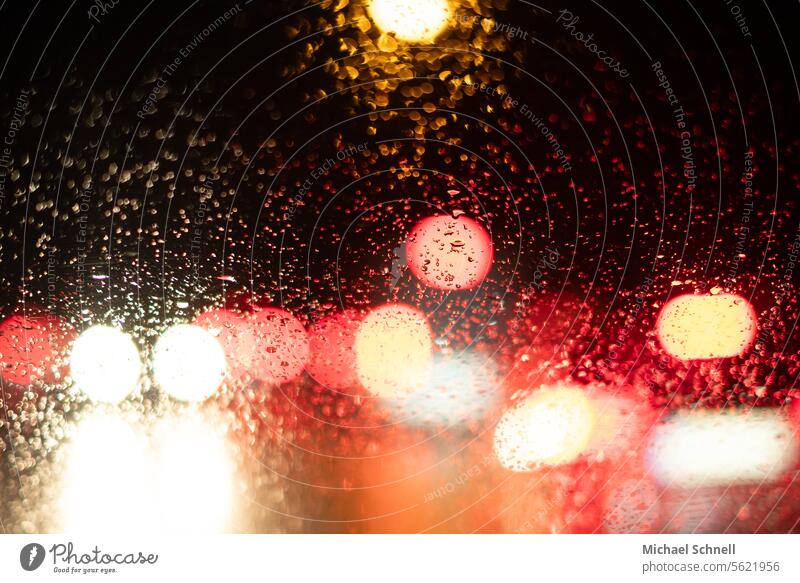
105, 364
411, 20
188, 362
706, 448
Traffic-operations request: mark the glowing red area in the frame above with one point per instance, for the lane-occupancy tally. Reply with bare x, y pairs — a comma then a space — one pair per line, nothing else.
632, 504
231, 330
449, 253
32, 348
280, 345
333, 355
693, 327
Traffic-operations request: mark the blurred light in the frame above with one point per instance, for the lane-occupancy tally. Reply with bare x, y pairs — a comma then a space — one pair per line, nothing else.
188, 363
394, 345
230, 330
194, 472
333, 355
105, 364
31, 348
449, 253
620, 424
119, 480
460, 388
105, 487
280, 344
702, 327
411, 20
552, 426
706, 448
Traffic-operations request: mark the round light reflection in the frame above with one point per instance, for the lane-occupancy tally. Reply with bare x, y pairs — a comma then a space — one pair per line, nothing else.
552, 426
449, 253
105, 364
188, 362
394, 350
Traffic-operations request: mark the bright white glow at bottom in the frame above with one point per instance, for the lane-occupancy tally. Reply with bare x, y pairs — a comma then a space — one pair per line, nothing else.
195, 477
706, 448
188, 362
106, 477
552, 426
120, 478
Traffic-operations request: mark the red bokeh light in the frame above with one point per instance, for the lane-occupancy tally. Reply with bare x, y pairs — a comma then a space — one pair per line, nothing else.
449, 253
280, 345
32, 348
230, 329
333, 356
269, 344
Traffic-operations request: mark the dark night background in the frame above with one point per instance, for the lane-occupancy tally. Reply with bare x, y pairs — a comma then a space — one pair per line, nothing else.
270, 94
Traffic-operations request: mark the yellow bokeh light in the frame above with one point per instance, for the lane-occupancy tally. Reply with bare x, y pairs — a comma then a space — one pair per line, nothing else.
394, 350
411, 20
553, 426
696, 327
